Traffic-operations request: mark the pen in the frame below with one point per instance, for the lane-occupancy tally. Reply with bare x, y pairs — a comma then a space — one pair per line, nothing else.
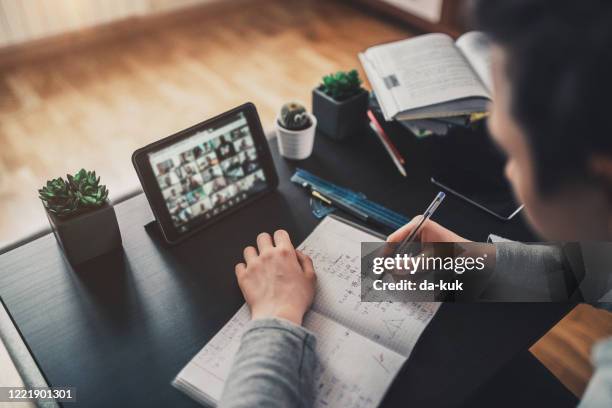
389, 150
426, 215
338, 204
384, 138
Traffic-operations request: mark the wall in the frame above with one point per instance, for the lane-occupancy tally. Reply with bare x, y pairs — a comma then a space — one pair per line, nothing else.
26, 20
430, 10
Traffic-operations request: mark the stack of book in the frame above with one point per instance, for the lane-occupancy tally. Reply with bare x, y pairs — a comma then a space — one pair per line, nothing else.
431, 83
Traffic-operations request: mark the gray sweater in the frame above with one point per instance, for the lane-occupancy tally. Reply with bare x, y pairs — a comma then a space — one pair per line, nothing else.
274, 367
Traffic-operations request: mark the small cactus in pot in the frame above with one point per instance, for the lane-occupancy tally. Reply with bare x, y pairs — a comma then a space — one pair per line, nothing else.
295, 128
80, 215
293, 116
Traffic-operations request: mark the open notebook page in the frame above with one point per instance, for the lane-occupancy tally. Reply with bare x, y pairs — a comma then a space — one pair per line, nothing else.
353, 371
426, 70
347, 330
10, 377
335, 248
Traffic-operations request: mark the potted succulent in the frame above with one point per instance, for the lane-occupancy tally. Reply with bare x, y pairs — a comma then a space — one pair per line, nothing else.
83, 221
340, 105
295, 128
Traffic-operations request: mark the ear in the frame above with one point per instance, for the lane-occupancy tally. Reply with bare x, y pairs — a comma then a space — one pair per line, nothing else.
601, 166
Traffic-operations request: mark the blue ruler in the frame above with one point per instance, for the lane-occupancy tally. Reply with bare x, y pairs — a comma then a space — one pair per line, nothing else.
376, 212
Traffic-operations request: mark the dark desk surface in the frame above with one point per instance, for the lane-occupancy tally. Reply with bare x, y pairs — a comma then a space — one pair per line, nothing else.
123, 327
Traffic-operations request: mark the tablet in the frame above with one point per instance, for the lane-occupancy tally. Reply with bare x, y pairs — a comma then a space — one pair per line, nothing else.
201, 174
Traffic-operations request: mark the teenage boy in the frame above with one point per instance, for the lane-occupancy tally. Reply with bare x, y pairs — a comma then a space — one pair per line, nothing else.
552, 74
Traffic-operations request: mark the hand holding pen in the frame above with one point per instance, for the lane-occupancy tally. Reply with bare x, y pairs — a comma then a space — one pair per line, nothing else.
424, 230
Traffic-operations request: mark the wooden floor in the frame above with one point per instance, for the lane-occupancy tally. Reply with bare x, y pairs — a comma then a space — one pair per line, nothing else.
92, 108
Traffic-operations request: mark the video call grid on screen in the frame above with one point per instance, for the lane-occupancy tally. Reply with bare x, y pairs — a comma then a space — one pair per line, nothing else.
208, 172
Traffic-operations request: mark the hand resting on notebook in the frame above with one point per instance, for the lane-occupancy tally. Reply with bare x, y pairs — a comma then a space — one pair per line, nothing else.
277, 280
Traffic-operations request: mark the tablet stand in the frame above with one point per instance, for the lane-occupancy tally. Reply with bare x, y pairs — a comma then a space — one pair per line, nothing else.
154, 232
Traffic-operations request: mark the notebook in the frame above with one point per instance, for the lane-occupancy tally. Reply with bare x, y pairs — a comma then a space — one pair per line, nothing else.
17, 366
430, 76
361, 346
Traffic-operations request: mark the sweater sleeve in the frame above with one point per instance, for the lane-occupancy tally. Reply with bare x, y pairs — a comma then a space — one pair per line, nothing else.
274, 367
523, 273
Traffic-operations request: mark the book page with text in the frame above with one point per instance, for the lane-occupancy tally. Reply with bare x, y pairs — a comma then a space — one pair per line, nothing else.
384, 97
424, 71
476, 49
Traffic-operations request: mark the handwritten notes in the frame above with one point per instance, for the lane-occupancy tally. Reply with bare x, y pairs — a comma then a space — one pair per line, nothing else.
335, 248
360, 346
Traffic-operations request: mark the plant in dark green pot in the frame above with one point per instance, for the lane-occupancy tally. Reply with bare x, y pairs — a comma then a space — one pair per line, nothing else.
83, 221
340, 105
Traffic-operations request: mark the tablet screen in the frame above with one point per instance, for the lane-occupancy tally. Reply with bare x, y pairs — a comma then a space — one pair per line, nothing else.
208, 172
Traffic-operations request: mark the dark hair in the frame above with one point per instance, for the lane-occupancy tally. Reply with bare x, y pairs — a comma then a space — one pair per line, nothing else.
559, 62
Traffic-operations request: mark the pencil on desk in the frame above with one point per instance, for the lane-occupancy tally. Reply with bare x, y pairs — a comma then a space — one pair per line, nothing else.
389, 150
384, 138
340, 205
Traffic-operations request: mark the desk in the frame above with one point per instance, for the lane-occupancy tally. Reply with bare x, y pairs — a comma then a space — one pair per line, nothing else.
122, 328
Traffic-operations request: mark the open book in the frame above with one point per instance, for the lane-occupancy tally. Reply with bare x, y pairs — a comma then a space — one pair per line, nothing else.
361, 346
430, 76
